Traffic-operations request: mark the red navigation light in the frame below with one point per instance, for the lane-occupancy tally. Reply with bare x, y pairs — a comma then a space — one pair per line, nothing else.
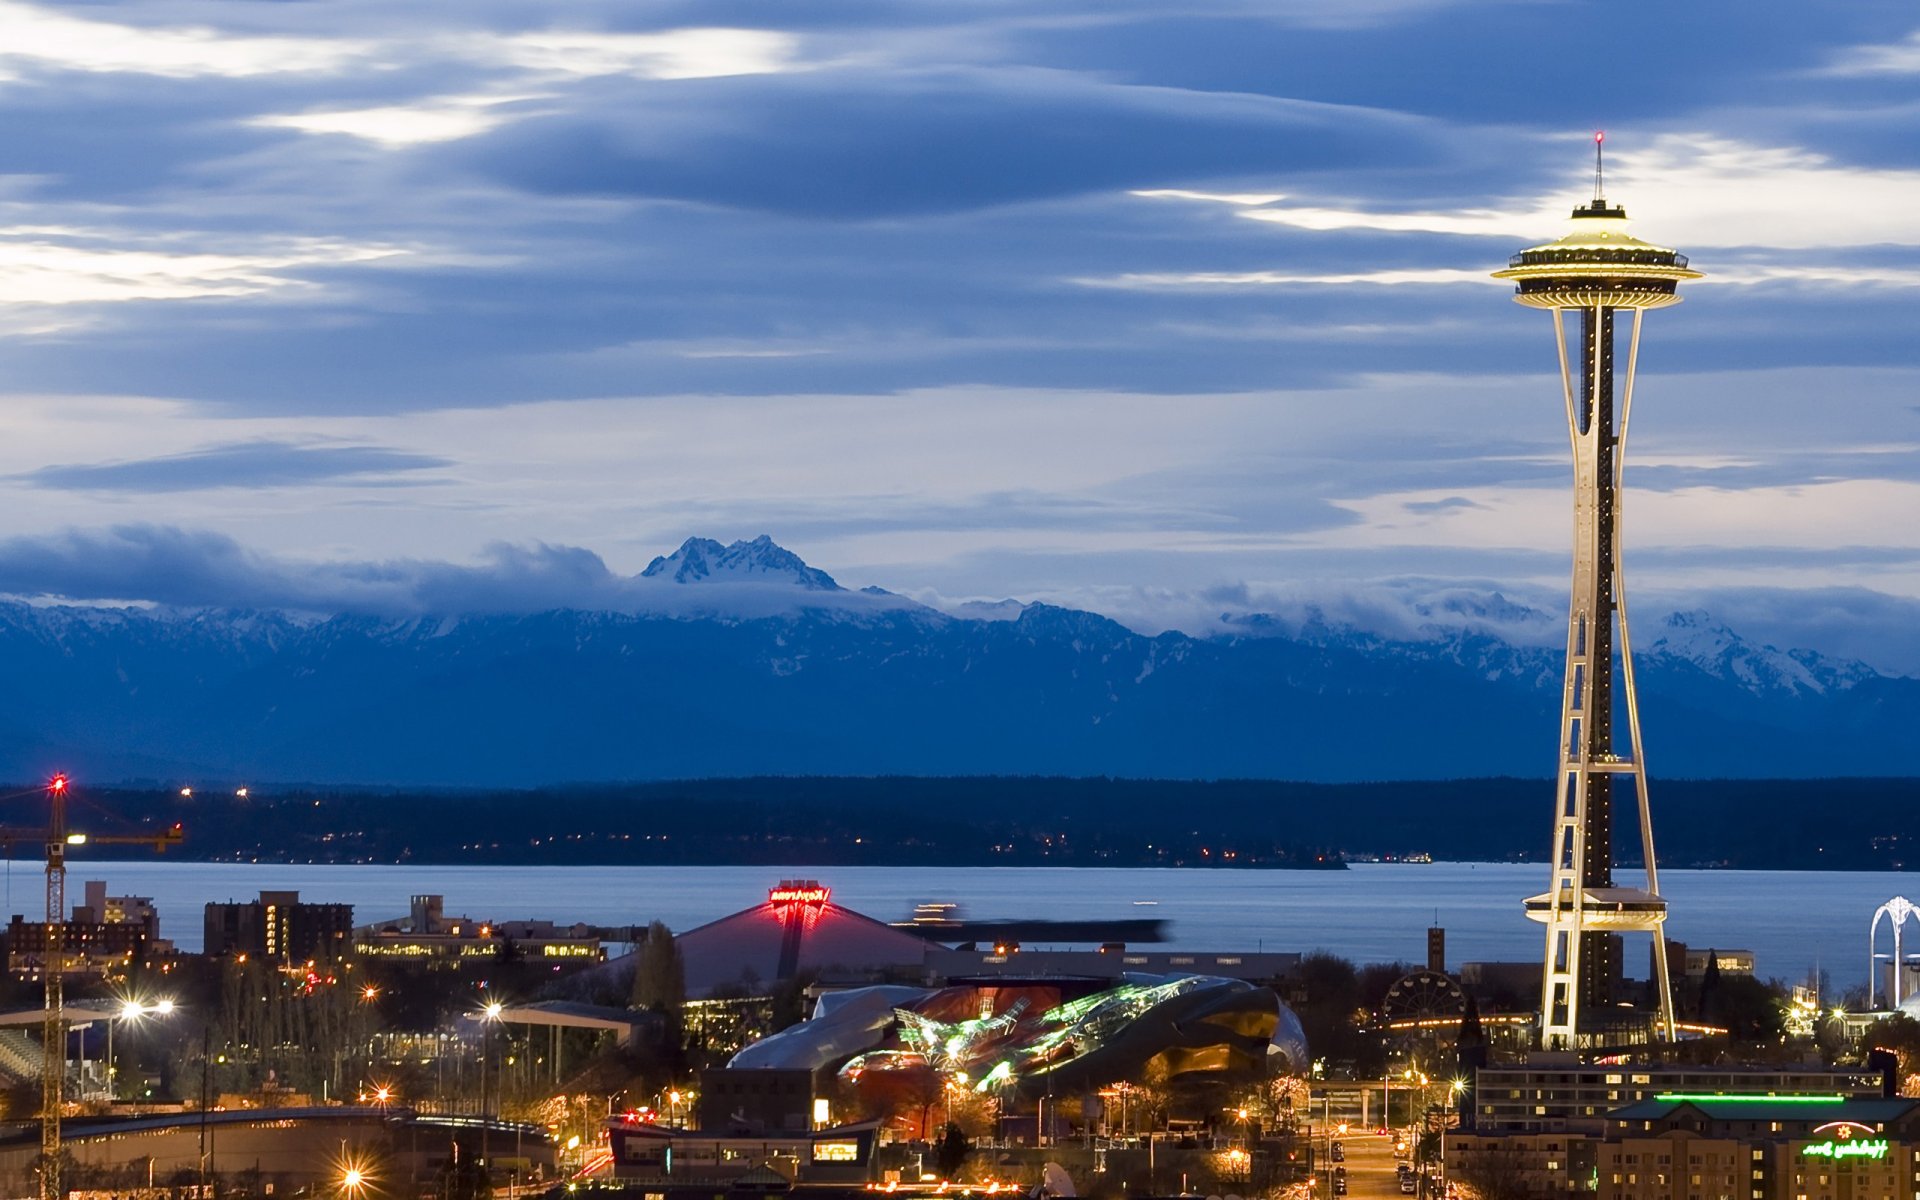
1599, 135
57, 784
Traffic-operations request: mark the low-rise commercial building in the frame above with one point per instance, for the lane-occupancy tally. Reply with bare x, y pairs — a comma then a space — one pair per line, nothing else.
106, 934
426, 935
652, 1152
1553, 1093
1707, 1147
1530, 1164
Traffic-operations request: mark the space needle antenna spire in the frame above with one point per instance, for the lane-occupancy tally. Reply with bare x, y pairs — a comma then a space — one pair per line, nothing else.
1599, 167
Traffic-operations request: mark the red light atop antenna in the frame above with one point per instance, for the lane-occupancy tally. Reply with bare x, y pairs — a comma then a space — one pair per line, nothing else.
57, 784
1599, 135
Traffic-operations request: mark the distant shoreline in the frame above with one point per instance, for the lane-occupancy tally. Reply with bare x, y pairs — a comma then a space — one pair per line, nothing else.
120, 855
981, 822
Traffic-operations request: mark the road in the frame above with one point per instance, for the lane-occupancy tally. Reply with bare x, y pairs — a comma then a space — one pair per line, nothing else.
1370, 1167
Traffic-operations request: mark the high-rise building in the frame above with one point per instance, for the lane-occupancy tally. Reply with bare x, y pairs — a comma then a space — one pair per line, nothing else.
278, 926
1589, 280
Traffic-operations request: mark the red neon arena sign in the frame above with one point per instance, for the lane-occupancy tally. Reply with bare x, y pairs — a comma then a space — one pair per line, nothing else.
804, 891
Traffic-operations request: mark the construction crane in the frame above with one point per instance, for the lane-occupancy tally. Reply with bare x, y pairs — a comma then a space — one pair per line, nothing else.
53, 1030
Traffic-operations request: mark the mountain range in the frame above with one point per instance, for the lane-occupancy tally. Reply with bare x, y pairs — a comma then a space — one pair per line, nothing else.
742, 660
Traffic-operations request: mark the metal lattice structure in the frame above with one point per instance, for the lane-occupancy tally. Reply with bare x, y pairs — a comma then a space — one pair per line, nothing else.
1591, 276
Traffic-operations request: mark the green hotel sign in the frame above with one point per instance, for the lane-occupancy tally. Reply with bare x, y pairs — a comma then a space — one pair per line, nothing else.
1864, 1148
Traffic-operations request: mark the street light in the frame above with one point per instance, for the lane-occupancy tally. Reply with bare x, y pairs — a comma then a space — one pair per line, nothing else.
490, 1016
1238, 1161
130, 1010
1454, 1091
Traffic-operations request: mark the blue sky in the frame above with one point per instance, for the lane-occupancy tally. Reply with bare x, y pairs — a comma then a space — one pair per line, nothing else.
1155, 309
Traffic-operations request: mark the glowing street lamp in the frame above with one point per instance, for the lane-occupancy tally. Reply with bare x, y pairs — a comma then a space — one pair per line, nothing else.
130, 1010
490, 1016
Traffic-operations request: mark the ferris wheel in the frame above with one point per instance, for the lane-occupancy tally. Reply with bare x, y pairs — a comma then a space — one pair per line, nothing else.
1422, 996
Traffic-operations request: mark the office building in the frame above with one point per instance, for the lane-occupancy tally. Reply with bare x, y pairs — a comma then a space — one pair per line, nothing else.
280, 927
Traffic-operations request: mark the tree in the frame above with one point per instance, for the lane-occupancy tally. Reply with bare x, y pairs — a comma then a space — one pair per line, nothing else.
1494, 1174
463, 1178
790, 999
1708, 1006
1750, 1010
1326, 994
659, 974
1898, 1035
951, 1153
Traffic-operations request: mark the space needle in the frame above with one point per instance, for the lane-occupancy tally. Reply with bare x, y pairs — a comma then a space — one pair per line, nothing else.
1589, 280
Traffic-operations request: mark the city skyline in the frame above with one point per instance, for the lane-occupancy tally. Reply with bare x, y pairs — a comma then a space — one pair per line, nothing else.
1146, 312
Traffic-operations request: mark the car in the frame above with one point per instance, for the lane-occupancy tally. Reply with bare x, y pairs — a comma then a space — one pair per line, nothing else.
1339, 1185
1407, 1184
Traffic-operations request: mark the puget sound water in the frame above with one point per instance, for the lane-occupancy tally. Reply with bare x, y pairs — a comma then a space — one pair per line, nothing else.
1374, 912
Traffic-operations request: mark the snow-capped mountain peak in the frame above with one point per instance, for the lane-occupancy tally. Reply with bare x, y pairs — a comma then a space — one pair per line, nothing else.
761, 560
1696, 637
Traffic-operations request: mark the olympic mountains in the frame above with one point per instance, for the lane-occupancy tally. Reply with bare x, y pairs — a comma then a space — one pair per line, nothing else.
741, 660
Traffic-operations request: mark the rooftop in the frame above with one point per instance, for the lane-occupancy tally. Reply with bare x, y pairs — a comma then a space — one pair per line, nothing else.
1821, 1108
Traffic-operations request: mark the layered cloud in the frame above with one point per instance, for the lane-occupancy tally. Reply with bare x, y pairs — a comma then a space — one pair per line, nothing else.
263, 464
44, 36
1059, 299
166, 565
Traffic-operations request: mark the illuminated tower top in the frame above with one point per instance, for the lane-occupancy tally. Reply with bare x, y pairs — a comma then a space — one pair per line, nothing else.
1597, 264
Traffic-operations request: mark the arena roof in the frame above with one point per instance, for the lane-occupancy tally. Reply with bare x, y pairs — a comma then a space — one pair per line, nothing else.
797, 928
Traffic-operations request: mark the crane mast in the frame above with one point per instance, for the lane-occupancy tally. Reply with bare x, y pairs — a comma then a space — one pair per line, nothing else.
55, 837
53, 1025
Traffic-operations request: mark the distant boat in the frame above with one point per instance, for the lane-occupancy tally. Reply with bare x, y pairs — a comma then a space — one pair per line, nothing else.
1144, 903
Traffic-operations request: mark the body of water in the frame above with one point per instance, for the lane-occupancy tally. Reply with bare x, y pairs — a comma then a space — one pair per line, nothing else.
1375, 912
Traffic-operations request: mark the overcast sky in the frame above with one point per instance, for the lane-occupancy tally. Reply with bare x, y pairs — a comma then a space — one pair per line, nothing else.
1136, 305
